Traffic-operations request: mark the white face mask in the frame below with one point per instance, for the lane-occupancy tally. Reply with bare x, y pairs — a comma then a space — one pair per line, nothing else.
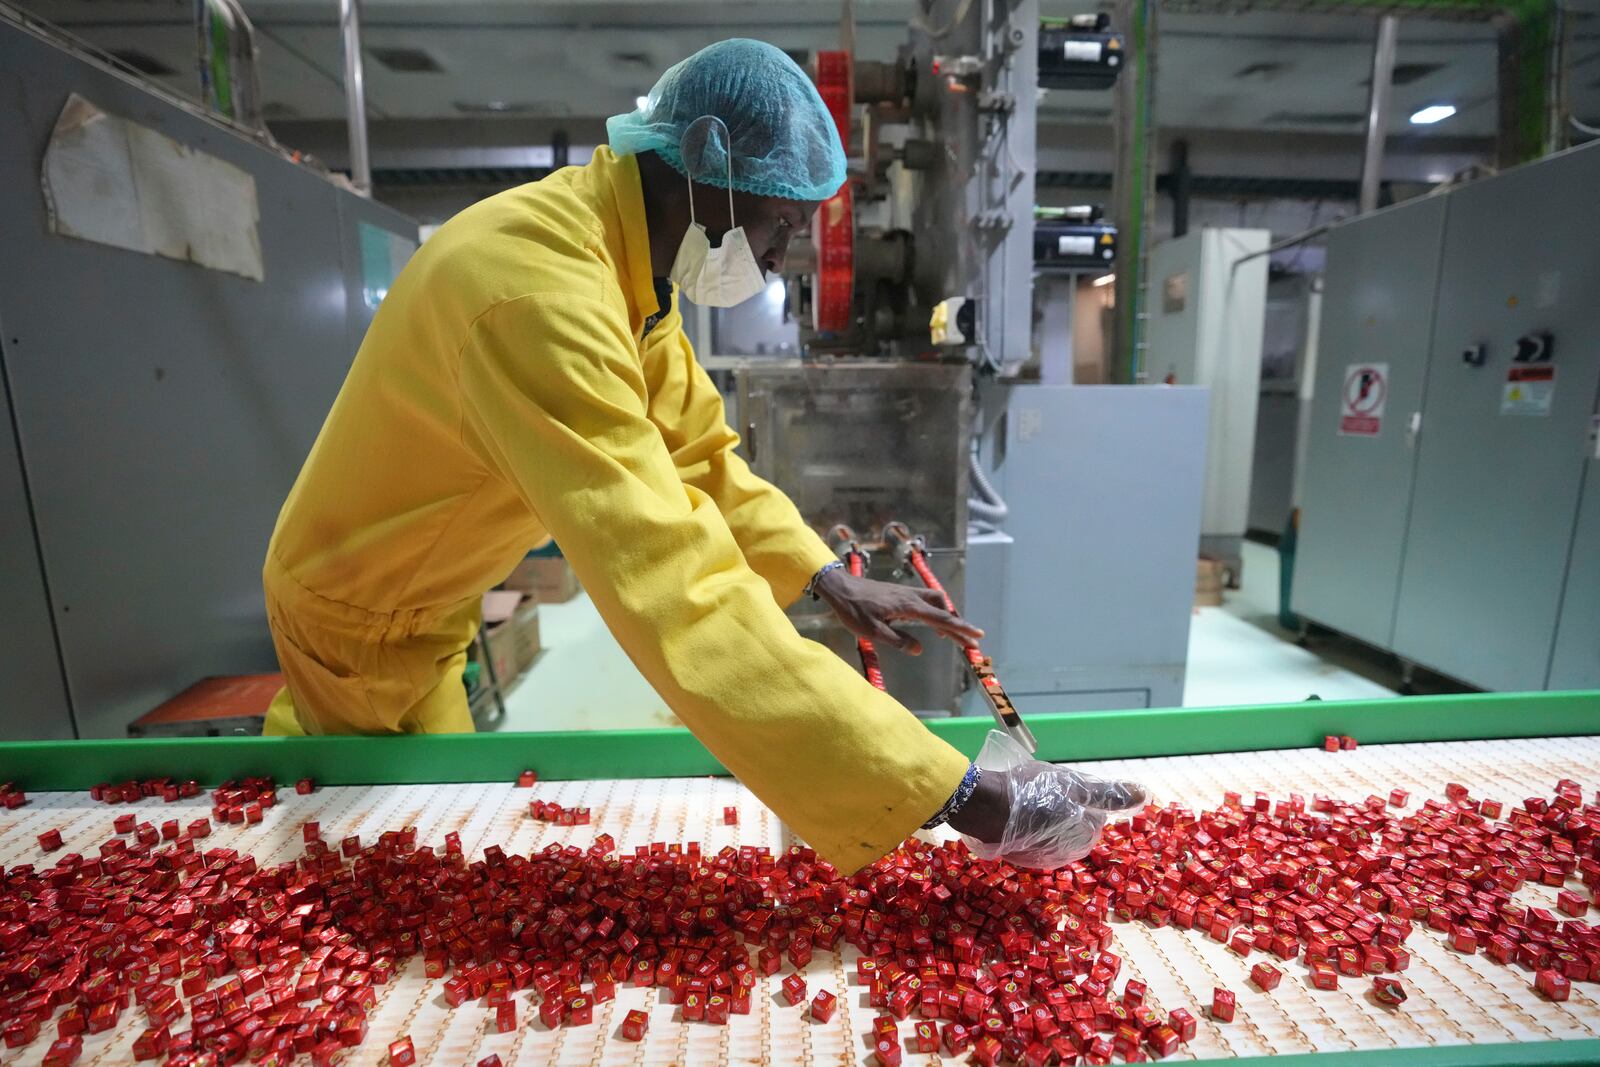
717, 277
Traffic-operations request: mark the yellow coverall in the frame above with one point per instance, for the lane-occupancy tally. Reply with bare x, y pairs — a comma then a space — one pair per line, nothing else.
505, 393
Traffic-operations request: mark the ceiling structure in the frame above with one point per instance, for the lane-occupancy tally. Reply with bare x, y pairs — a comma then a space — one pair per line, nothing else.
485, 73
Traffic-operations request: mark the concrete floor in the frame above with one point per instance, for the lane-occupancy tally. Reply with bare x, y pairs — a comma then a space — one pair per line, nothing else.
1237, 655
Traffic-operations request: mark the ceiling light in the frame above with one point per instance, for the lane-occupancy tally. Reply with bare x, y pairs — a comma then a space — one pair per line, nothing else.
1433, 113
641, 102
1105, 279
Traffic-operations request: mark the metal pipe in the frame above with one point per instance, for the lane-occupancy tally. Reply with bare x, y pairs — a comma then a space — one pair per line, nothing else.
1178, 185
355, 95
1558, 102
1132, 180
1378, 110
246, 77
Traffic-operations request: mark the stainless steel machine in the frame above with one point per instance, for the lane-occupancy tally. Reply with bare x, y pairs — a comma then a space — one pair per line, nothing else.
864, 444
914, 301
1451, 495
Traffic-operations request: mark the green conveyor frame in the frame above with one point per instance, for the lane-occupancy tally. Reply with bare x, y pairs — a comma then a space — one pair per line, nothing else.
674, 753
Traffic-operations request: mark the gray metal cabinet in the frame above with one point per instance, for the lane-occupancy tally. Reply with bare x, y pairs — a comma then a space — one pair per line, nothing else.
1497, 491
1575, 664
1104, 484
1382, 278
29, 665
1473, 547
162, 410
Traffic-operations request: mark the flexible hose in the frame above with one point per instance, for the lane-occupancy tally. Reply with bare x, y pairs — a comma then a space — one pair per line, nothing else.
988, 505
868, 654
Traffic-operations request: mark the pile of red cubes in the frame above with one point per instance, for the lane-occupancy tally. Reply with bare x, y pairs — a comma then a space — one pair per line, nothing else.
965, 956
554, 813
133, 791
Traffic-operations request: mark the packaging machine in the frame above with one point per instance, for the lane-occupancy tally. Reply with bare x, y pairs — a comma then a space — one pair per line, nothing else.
914, 302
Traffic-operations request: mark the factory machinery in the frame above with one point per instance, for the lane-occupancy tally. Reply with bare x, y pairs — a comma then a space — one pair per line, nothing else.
1450, 500
642, 788
1063, 521
129, 570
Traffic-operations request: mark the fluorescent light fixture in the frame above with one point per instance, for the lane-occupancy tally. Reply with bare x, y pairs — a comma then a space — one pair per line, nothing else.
642, 102
1105, 279
1432, 113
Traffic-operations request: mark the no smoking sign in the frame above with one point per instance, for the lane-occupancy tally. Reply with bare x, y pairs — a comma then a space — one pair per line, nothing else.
1366, 390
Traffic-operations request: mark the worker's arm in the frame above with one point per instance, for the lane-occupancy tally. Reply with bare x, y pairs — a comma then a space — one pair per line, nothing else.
686, 407
555, 400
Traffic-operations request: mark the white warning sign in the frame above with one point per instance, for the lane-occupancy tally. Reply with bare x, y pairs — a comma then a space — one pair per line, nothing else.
1529, 390
1366, 390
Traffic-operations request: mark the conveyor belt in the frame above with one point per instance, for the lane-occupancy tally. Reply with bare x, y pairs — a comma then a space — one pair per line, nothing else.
1454, 999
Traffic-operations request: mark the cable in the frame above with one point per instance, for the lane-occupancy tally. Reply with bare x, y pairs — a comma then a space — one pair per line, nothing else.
988, 505
868, 654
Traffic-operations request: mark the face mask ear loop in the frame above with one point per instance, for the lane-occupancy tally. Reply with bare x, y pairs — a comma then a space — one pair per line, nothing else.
687, 181
730, 191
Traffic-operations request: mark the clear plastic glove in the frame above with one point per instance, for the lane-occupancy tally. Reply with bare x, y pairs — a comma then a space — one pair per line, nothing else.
1056, 813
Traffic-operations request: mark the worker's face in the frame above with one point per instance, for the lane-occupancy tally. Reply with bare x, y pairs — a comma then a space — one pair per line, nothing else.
768, 222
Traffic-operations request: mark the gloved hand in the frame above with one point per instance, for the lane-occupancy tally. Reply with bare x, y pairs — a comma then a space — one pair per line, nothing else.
1055, 814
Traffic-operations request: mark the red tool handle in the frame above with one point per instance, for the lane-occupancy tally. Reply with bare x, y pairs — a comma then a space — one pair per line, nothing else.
869, 655
919, 563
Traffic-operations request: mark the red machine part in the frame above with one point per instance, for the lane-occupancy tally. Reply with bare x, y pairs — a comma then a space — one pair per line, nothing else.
869, 655
833, 85
833, 232
833, 228
919, 563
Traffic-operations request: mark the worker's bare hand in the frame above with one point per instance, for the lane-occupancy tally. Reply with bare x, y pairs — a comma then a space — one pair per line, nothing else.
869, 609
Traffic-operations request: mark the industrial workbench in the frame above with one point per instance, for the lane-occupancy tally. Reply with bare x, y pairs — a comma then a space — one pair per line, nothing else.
645, 786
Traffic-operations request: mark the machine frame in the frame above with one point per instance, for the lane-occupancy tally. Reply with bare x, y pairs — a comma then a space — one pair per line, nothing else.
571, 755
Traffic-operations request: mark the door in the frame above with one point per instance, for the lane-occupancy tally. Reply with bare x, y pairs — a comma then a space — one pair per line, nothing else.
1575, 663
1502, 453
1372, 356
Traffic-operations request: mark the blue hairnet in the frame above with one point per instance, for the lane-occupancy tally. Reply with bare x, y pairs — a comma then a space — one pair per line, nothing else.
774, 127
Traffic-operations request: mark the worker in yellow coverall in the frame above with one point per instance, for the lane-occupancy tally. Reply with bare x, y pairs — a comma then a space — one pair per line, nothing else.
527, 377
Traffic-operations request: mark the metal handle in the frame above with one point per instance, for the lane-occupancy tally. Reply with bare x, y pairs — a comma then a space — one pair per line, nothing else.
750, 440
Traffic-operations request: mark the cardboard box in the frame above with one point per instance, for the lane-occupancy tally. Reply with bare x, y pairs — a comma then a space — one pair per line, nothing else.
499, 605
502, 643
1208, 584
525, 632
547, 578
212, 707
511, 627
